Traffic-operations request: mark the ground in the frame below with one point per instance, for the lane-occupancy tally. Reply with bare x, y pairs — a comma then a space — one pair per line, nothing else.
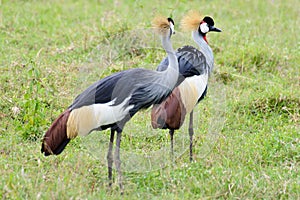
246, 129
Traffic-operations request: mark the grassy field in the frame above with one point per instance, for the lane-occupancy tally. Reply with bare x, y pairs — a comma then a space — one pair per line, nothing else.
247, 134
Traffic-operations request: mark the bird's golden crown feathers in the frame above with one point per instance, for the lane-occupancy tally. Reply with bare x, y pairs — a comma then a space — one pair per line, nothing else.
191, 21
161, 25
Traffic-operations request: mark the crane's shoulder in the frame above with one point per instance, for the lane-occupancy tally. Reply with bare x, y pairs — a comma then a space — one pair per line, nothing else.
116, 86
191, 61
190, 49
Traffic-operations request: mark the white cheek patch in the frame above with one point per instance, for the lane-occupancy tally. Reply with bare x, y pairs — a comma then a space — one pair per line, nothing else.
204, 28
172, 28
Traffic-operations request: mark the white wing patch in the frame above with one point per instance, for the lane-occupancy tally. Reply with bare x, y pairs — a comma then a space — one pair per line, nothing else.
87, 118
191, 90
107, 114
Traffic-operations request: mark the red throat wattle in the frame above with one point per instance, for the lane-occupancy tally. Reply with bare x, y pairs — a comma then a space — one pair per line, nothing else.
204, 37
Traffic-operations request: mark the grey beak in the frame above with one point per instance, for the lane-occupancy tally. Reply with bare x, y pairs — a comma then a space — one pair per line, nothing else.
215, 29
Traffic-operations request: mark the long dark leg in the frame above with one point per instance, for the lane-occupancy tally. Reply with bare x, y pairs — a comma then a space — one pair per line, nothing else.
191, 133
110, 156
172, 142
118, 160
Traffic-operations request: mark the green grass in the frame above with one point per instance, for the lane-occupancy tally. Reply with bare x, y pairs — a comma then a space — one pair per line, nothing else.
247, 131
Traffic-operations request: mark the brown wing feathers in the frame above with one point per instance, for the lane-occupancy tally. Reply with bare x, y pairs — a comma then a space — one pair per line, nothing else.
170, 113
56, 138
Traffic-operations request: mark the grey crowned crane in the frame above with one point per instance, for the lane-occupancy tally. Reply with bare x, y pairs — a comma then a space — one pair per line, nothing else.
170, 114
113, 100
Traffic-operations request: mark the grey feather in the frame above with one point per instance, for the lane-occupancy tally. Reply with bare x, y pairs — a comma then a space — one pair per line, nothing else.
191, 62
144, 87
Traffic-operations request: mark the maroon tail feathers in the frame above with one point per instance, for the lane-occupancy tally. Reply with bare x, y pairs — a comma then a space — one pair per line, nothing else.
55, 139
170, 113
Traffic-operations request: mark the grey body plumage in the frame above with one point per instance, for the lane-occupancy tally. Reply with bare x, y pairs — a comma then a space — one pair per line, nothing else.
191, 62
144, 87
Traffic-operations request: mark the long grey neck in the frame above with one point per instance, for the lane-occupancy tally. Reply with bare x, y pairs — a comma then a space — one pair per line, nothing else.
171, 74
205, 49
